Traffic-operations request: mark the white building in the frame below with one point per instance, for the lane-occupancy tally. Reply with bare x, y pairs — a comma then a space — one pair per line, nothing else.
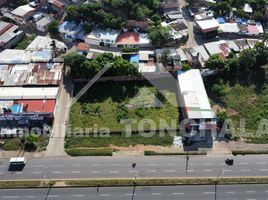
102, 37
43, 23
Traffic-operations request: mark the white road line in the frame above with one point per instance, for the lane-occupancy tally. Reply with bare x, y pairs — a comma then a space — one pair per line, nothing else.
56, 172
208, 170
38, 166
113, 172
250, 199
230, 192
94, 172
261, 163
208, 192
10, 197
57, 165
130, 194
78, 195
207, 163
114, 164
1, 172
77, 165
190, 170
263, 170
227, 170
95, 165
105, 195
151, 171
37, 172
152, 164
18, 172
250, 191
157, 193
76, 172
243, 163
132, 171
171, 164
245, 170
30, 197
178, 193
170, 170
52, 196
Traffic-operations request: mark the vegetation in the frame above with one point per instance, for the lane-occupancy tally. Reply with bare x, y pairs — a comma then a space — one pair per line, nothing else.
89, 152
53, 28
24, 43
11, 145
127, 49
113, 13
248, 152
166, 57
83, 68
154, 153
159, 35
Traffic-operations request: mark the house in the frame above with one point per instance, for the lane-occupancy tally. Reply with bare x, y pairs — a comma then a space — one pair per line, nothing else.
194, 104
10, 35
147, 61
57, 6
141, 25
169, 5
42, 24
207, 25
102, 37
82, 48
3, 2
72, 31
23, 13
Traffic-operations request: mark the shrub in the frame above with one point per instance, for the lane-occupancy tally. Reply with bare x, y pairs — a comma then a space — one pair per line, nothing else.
10, 145
154, 153
247, 152
89, 152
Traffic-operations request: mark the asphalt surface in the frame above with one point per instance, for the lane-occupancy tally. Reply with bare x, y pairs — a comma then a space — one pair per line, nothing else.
224, 192
120, 167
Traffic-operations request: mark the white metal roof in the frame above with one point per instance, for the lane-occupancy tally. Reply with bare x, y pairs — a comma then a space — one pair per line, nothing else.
208, 24
41, 42
193, 96
22, 10
17, 159
12, 93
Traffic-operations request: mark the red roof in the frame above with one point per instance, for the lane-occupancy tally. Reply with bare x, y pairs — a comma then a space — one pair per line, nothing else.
47, 105
252, 29
128, 38
82, 46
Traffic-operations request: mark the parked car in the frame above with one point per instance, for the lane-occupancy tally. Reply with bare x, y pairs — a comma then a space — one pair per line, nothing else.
229, 161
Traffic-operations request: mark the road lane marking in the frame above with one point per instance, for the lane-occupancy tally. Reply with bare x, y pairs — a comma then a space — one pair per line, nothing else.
177, 193
230, 192
52, 196
190, 170
152, 164
95, 165
10, 197
77, 165
227, 170
208, 170
113, 172
76, 172
105, 195
37, 172
263, 170
261, 163
38, 166
245, 170
171, 164
156, 193
151, 171
56, 172
250, 191
94, 172
170, 170
243, 163
30, 197
208, 192
57, 165
78, 195
131, 194
132, 171
114, 164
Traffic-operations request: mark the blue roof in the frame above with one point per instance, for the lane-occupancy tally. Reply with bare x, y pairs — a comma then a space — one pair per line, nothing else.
238, 20
221, 20
134, 58
16, 108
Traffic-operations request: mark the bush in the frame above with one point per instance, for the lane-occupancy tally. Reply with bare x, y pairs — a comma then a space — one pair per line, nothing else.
249, 152
89, 152
10, 145
129, 49
154, 153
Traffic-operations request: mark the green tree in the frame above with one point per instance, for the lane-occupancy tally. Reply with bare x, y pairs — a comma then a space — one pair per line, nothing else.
159, 35
166, 56
247, 59
216, 62
185, 67
222, 116
261, 52
75, 61
53, 28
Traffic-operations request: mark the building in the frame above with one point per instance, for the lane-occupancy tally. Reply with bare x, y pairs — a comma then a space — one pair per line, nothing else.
23, 13
82, 48
3, 2
10, 35
194, 103
72, 31
57, 6
207, 25
100, 37
43, 23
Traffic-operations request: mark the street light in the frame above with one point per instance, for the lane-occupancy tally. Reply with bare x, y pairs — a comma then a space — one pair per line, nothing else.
216, 183
134, 183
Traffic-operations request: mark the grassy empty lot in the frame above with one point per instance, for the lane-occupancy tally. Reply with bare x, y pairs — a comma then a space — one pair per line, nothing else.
106, 104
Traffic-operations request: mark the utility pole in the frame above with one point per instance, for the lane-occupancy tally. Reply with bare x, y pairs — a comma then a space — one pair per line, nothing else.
187, 162
134, 182
216, 183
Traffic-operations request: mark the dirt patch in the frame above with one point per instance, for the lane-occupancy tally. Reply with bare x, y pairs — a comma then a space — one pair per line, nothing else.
143, 148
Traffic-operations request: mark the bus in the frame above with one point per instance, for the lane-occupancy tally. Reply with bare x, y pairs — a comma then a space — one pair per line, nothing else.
17, 161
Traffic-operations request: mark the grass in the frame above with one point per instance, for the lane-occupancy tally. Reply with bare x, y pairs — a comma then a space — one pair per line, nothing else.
249, 152
244, 97
154, 153
24, 43
19, 184
107, 103
89, 152
11, 145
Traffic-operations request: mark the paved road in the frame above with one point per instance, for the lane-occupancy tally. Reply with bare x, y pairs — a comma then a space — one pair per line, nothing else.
224, 192
120, 167
56, 141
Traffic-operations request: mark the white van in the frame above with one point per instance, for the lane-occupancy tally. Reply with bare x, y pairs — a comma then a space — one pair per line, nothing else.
17, 161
